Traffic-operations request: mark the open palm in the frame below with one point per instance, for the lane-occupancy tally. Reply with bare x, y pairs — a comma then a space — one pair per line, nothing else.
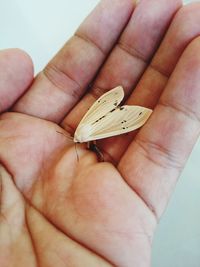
60, 211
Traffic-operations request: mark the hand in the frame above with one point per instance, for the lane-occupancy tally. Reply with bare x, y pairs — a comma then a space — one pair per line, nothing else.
57, 211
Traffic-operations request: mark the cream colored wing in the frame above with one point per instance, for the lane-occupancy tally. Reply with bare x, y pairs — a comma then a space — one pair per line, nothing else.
118, 121
103, 105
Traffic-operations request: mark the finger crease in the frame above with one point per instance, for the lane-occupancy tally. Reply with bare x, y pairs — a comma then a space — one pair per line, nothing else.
90, 41
132, 52
159, 155
160, 71
97, 91
179, 108
60, 78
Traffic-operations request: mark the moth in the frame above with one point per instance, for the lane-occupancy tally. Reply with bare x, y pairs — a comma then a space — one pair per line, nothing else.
107, 118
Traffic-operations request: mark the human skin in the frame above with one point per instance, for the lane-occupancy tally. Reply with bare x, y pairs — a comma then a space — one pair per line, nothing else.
58, 211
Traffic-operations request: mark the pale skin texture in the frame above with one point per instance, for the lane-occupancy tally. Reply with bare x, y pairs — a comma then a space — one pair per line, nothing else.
57, 211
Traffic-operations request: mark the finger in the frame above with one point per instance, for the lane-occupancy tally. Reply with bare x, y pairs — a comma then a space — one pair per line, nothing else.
155, 78
66, 77
131, 55
16, 74
167, 56
159, 152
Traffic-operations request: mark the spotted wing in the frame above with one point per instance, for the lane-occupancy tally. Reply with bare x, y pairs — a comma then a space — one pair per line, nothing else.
118, 121
103, 105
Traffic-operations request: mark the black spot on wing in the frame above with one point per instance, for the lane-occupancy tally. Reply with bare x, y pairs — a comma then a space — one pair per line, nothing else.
100, 101
99, 119
112, 110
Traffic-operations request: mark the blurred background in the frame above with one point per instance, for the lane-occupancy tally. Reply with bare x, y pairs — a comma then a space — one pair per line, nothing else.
41, 28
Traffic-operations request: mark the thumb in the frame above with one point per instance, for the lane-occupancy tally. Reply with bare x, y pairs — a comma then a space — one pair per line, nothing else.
16, 74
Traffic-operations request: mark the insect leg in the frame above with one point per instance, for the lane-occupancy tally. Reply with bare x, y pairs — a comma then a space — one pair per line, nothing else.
93, 147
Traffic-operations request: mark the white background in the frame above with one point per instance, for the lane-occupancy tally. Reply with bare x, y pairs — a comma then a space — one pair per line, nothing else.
41, 27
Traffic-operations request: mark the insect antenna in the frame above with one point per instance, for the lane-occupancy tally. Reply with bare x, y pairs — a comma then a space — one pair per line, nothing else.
68, 136
77, 156
75, 145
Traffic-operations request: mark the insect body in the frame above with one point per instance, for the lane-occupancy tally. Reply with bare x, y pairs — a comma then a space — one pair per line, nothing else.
106, 118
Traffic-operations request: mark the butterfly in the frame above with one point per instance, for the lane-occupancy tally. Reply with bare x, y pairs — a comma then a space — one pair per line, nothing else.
106, 118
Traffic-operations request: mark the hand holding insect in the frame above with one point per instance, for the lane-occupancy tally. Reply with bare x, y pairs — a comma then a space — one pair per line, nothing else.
57, 211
